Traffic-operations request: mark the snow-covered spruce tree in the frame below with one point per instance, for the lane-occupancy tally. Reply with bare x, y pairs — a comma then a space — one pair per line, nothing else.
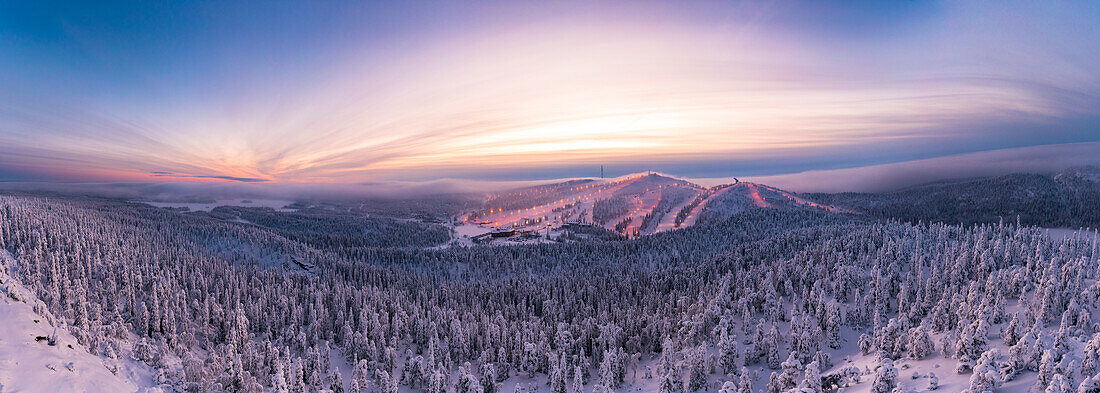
890, 339
788, 378
334, 381
832, 324
1090, 362
1071, 370
1046, 369
666, 363
973, 340
770, 345
143, 351
1024, 355
811, 379
695, 375
578, 382
613, 367
728, 387
279, 384
488, 380
466, 382
753, 351
438, 381
849, 376
919, 344
744, 384
806, 336
1090, 385
557, 377
775, 384
886, 377
987, 373
1058, 384
728, 353
1011, 333
667, 385
866, 344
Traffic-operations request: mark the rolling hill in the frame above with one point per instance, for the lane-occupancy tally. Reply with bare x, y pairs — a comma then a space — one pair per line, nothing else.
1065, 199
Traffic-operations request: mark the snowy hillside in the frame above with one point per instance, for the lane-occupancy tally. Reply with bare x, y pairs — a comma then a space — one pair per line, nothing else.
634, 205
37, 357
1067, 199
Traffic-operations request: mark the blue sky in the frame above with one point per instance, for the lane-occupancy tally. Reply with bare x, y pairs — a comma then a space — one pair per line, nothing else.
367, 91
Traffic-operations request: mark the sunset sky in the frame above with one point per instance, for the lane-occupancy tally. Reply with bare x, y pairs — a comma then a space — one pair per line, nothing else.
304, 91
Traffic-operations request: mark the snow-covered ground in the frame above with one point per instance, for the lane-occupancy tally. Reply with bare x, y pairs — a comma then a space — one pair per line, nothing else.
694, 215
1057, 234
29, 364
668, 221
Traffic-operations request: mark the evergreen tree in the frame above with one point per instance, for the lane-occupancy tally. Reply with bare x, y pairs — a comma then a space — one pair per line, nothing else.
728, 387
919, 345
1090, 361
811, 379
1058, 384
886, 377
728, 355
578, 384
1089, 385
744, 385
667, 385
987, 373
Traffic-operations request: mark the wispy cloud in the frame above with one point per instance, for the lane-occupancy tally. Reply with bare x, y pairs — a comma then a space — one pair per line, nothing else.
752, 84
217, 177
890, 177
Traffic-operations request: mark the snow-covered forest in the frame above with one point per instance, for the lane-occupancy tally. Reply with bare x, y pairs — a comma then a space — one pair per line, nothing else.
1068, 198
767, 300
564, 196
